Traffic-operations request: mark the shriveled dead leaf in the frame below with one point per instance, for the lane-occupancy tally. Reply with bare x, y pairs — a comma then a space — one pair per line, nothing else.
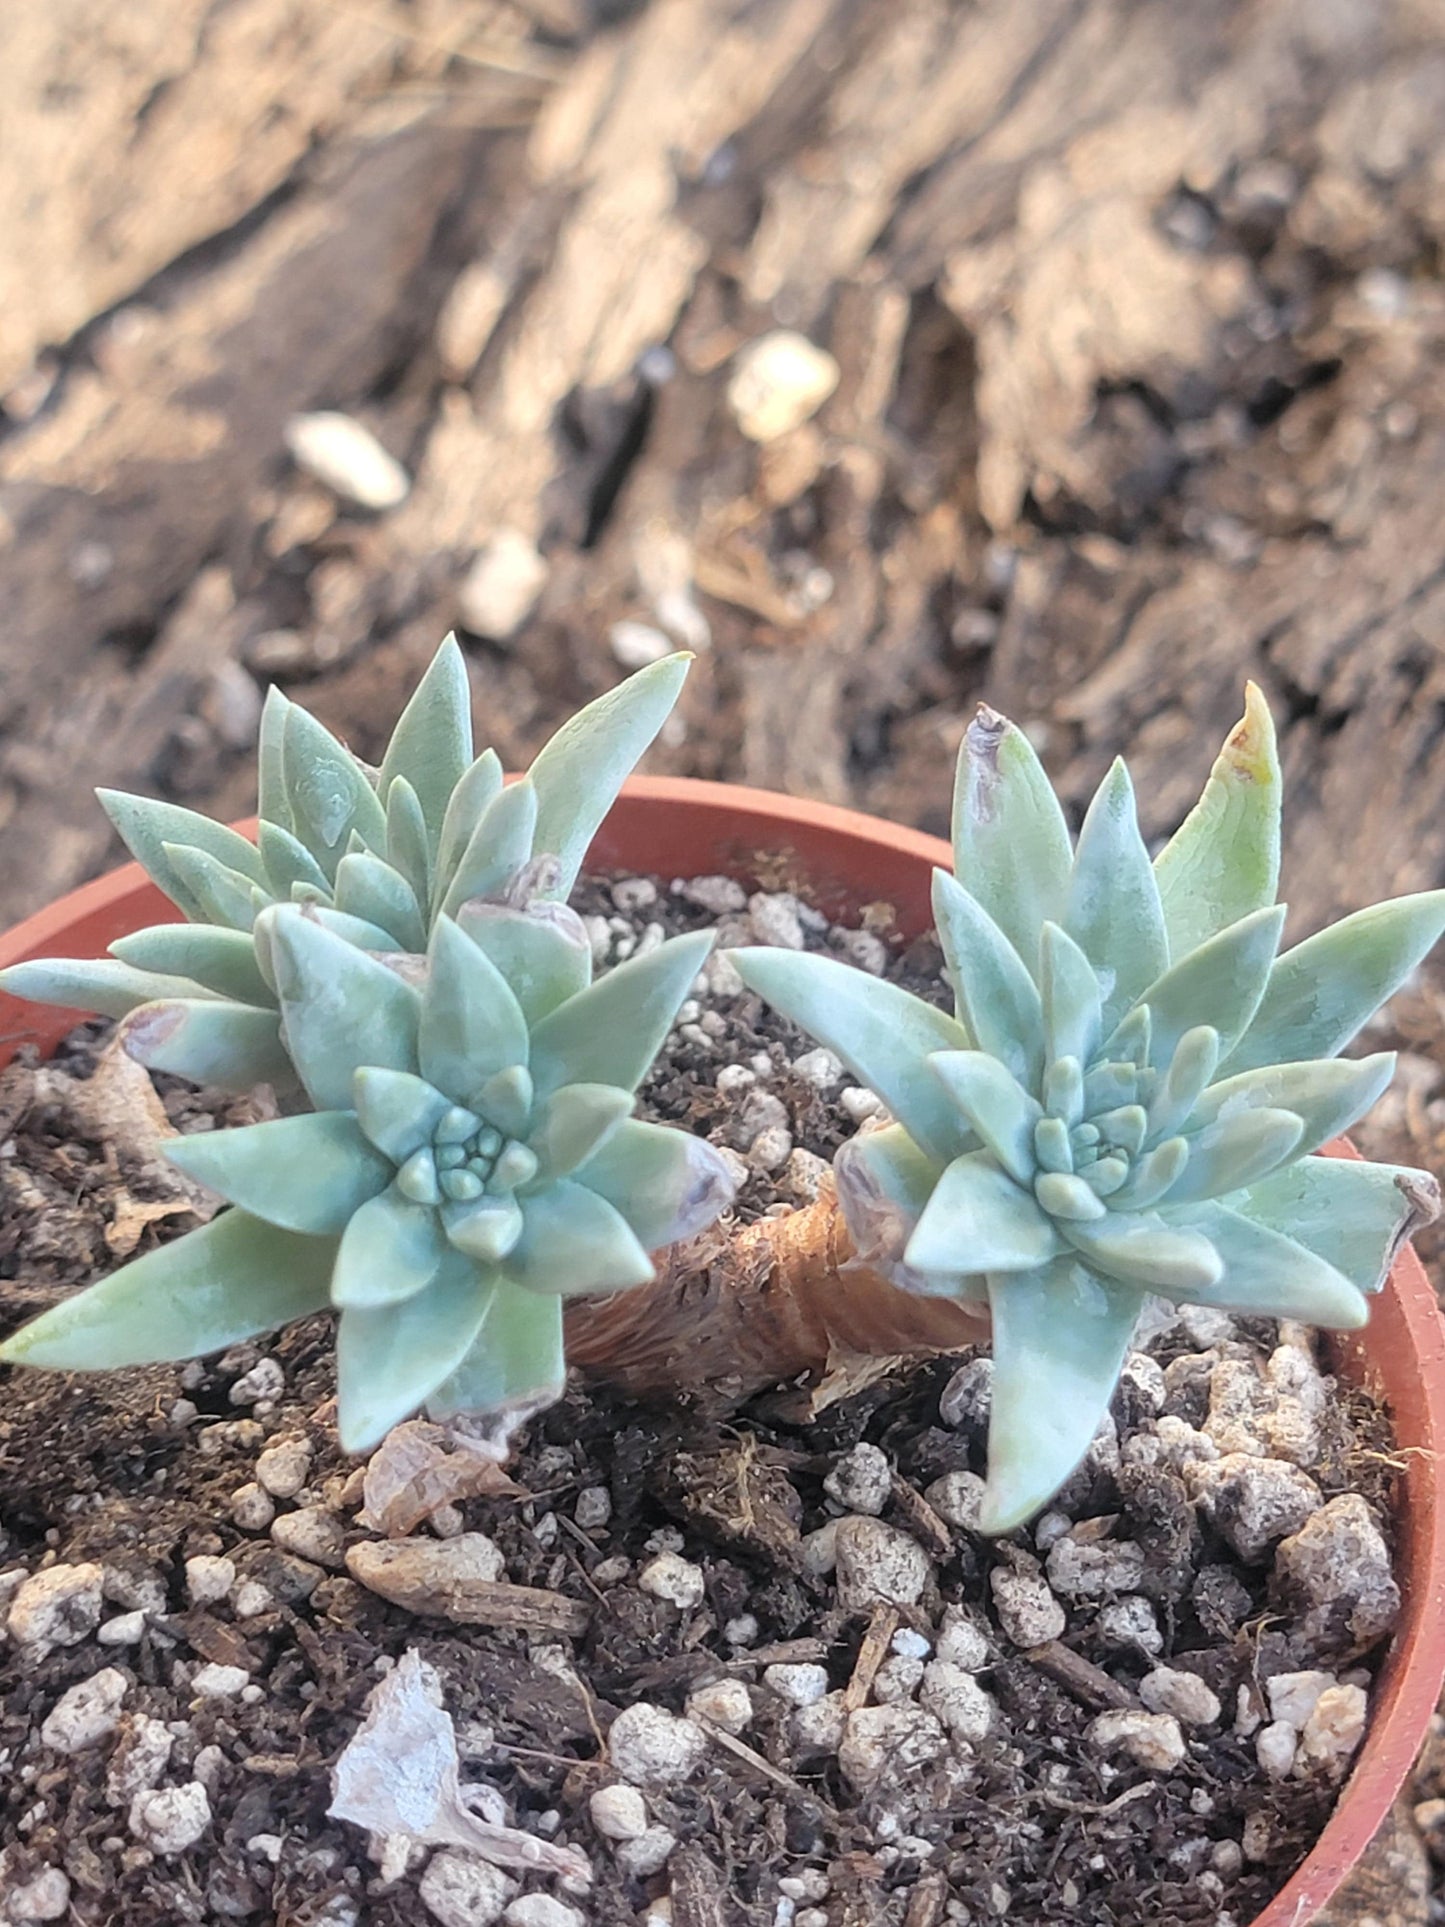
419, 1467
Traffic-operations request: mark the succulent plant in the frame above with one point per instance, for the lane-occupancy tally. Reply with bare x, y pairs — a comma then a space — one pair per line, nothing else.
378, 856
1126, 1098
471, 1162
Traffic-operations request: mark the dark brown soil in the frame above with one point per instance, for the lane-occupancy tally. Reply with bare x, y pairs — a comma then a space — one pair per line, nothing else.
137, 1470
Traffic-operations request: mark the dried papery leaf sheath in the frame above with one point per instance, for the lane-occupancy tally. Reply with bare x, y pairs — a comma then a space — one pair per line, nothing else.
1134, 1085
375, 856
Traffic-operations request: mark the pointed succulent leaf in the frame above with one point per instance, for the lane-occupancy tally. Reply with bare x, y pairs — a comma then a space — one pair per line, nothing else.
431, 745
1064, 1090
1266, 1274
1060, 1338
408, 849
271, 804
1141, 1249
368, 887
573, 1241
1327, 1095
355, 930
1072, 1013
994, 994
327, 791
397, 1110
471, 1024
465, 808
1114, 912
500, 845
1223, 861
979, 1220
884, 1183
507, 1097
516, 1359
486, 1229
883, 1034
226, 1282
542, 951
391, 1249
1124, 1128
1195, 1059
147, 825
1152, 1176
578, 773
1322, 992
225, 896
220, 961
1011, 848
576, 1122
1132, 1040
106, 985
1000, 1110
1223, 980
390, 1358
1108, 1086
341, 1008
1353, 1214
1068, 1198
1234, 1151
306, 1173
288, 862
666, 1183
210, 1041
612, 1031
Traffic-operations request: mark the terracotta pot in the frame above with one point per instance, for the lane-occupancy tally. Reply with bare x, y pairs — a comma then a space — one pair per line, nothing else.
677, 828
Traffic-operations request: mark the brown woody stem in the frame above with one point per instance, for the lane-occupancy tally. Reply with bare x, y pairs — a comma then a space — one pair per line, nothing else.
748, 1306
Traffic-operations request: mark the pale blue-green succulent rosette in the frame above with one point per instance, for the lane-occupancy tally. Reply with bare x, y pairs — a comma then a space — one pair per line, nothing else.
378, 855
471, 1163
1127, 1097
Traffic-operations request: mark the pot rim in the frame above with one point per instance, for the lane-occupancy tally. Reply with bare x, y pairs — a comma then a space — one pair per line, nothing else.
656, 826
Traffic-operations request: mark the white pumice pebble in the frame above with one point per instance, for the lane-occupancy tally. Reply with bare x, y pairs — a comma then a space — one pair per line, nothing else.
908, 1643
1337, 1567
57, 1607
1083, 1569
956, 1699
265, 1380
283, 1468
1151, 1740
209, 1579
45, 1895
593, 1508
1332, 1732
961, 1639
347, 458
1027, 1610
724, 1702
219, 1682
653, 1748
967, 1399
126, 1629
462, 1890
312, 1533
502, 586
817, 1730
86, 1713
860, 1104
862, 1480
819, 1550
648, 1854
864, 951
1051, 1527
798, 1685
1293, 1696
1275, 1746
879, 1565
1169, 1689
720, 896
252, 1508
897, 1679
820, 1068
778, 381
774, 918
879, 1740
675, 1579
542, 1910
1130, 1624
1252, 1502
618, 1812
636, 644
168, 1820
957, 1498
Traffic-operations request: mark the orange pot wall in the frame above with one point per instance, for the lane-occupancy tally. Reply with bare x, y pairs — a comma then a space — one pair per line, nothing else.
667, 827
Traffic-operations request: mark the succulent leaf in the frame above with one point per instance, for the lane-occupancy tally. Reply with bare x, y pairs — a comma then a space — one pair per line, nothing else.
611, 1032
211, 1042
1060, 1338
1234, 1151
431, 746
1258, 1264
147, 825
578, 773
574, 1241
995, 995
340, 1008
471, 1024
1000, 1110
516, 1359
288, 863
327, 791
979, 1220
308, 1173
1114, 913
390, 1358
500, 845
1225, 976
883, 1034
408, 849
222, 962
1072, 1007
1351, 1213
543, 951
466, 806
391, 1249
228, 1281
225, 896
667, 1184
368, 887
110, 986
397, 1110
575, 1123
1011, 846
1223, 861
1327, 1095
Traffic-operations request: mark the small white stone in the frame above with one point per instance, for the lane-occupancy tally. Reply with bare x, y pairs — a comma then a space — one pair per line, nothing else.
209, 1579
1152, 1740
1094, 1569
1294, 1696
724, 1702
818, 1729
1252, 1502
770, 1149
593, 1509
542, 1910
957, 1498
799, 1685
251, 1599
718, 895
864, 951
266, 1846
879, 1565
312, 1533
140, 1758
652, 1747
804, 1174
86, 1713
209, 1767
502, 586
136, 1589
1338, 1567
741, 1631
265, 1380
212, 1682
347, 458
618, 1812
862, 1480
1050, 1527
648, 1854
888, 1739
1274, 1748
171, 1818
677, 1580
462, 1890
57, 1607
967, 1398
809, 1883
820, 1068
126, 1629
252, 1509
1333, 1731
818, 1550
860, 1104
961, 1640
1146, 1377
778, 381
1169, 1689
44, 1896
285, 1467
956, 1699
1027, 1611
1130, 1624
897, 1679
636, 644
775, 920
